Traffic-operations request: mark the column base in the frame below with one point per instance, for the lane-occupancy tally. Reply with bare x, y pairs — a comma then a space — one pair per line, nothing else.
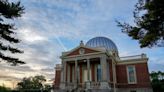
62, 85
88, 85
104, 85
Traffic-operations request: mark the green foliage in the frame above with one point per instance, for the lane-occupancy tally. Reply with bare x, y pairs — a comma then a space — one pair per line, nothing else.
157, 81
4, 89
9, 11
149, 23
47, 88
32, 84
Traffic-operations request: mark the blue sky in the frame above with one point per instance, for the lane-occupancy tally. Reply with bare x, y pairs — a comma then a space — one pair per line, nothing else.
50, 27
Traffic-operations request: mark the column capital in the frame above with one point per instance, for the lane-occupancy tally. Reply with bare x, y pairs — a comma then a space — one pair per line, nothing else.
75, 60
88, 59
103, 56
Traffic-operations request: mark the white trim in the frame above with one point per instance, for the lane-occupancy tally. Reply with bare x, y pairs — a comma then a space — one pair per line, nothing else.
98, 55
135, 78
64, 54
132, 62
89, 54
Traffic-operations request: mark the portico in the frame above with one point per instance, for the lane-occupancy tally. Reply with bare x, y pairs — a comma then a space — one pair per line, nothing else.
90, 70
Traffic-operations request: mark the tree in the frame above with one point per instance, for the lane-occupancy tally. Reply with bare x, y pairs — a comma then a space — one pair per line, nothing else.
9, 11
149, 23
157, 81
4, 89
32, 84
47, 88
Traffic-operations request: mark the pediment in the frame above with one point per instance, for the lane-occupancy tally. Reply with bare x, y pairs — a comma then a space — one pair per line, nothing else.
81, 51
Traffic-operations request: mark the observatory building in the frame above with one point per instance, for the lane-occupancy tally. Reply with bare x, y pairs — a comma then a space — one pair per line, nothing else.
97, 67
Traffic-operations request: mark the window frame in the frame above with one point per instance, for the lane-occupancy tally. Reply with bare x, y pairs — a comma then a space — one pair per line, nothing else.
128, 77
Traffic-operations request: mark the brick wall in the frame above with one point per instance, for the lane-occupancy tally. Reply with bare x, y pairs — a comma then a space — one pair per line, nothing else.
142, 74
57, 79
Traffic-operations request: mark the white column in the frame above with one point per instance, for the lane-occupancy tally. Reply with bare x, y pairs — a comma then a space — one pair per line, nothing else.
114, 73
65, 72
62, 81
88, 70
76, 72
88, 85
104, 82
103, 62
62, 69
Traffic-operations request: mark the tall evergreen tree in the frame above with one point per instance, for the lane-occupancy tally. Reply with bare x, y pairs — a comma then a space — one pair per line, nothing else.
9, 11
149, 23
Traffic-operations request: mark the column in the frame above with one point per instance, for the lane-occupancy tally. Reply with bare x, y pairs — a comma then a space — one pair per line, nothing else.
114, 74
62, 68
88, 70
104, 82
65, 69
62, 83
76, 72
88, 75
103, 63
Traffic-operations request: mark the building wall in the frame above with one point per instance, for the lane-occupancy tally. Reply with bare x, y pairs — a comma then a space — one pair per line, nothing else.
142, 75
57, 78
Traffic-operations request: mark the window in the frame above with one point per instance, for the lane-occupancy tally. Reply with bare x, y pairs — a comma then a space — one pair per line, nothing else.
99, 72
131, 73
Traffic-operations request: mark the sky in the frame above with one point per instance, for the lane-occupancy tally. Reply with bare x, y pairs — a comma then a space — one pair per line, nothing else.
49, 27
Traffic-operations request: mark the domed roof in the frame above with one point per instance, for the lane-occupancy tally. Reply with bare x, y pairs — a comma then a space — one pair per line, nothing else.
102, 42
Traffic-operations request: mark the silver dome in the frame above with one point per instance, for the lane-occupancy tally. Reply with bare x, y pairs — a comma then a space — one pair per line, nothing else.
102, 42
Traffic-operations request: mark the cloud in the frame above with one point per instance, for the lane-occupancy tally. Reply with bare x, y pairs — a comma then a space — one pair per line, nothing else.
50, 27
9, 78
31, 36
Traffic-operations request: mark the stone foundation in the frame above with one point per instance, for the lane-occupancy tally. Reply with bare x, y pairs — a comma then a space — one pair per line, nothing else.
134, 90
89, 90
108, 90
